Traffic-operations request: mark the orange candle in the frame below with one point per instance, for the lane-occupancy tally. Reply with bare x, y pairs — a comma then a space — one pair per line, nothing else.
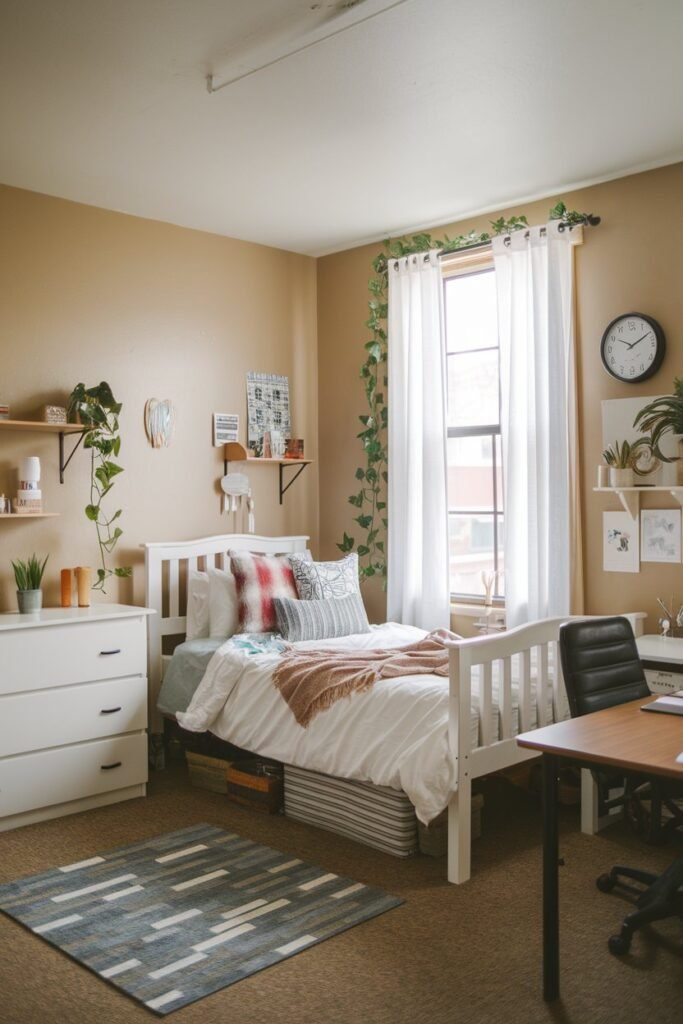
66, 583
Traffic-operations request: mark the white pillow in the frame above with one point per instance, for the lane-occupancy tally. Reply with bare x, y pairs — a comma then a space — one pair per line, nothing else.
223, 608
197, 624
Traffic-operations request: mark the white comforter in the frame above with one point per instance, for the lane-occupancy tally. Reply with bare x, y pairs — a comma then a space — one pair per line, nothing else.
394, 734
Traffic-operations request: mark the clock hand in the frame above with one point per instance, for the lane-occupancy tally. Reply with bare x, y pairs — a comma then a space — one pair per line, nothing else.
637, 342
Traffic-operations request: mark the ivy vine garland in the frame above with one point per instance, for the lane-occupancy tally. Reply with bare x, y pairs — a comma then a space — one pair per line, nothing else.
98, 411
372, 476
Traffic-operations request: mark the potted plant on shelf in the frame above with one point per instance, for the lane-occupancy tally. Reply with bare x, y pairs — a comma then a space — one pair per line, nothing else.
665, 416
28, 577
622, 459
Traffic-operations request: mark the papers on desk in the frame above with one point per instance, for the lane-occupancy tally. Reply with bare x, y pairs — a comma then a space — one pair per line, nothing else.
671, 704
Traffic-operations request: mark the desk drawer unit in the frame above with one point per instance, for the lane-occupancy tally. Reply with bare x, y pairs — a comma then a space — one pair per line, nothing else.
661, 681
73, 711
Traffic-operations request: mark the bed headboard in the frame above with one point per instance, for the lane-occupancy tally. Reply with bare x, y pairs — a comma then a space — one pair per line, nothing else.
167, 564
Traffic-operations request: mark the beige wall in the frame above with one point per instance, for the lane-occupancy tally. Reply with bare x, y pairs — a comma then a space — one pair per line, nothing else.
158, 311
632, 261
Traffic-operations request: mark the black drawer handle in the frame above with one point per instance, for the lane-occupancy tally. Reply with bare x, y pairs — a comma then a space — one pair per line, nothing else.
116, 651
108, 767
109, 711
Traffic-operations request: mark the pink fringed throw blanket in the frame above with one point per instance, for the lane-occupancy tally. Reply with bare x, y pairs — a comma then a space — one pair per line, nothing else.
311, 681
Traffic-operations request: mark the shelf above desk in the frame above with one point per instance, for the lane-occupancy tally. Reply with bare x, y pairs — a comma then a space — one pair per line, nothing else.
630, 496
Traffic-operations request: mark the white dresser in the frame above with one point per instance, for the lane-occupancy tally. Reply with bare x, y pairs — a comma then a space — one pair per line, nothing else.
73, 710
662, 658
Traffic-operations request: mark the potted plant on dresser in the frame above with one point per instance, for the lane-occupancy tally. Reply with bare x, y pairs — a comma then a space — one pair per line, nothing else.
28, 577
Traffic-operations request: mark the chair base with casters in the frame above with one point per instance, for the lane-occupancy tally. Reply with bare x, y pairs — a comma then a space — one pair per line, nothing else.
662, 898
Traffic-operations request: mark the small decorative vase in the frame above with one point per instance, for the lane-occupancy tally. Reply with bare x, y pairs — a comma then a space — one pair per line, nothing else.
620, 477
29, 601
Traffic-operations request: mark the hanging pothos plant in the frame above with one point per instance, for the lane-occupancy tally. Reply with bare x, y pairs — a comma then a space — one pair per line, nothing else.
370, 499
98, 411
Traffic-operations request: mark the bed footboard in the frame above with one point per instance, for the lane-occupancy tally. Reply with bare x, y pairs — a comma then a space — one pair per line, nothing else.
514, 683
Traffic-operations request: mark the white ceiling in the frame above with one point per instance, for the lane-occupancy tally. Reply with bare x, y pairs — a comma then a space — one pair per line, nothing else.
422, 112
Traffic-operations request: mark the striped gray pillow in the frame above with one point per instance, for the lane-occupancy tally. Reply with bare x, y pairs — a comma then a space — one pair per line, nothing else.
320, 620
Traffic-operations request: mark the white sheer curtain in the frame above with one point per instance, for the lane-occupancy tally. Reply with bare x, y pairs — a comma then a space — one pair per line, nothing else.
535, 284
417, 567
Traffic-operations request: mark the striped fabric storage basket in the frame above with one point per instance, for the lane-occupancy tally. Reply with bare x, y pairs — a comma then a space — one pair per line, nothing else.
374, 815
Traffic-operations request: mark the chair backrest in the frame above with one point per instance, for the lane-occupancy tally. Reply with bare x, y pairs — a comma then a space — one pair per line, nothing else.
600, 663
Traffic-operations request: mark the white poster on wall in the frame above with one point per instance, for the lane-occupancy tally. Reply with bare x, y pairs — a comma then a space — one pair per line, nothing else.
620, 542
660, 535
618, 415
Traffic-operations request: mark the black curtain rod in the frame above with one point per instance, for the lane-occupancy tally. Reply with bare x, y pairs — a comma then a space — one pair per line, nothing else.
590, 220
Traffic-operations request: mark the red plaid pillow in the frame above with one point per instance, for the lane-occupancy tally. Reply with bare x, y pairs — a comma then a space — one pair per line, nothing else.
259, 579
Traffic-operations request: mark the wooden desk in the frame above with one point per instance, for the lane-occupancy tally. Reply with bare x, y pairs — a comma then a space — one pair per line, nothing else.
621, 736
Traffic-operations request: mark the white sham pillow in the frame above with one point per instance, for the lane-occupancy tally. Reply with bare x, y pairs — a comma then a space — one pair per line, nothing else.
197, 622
223, 607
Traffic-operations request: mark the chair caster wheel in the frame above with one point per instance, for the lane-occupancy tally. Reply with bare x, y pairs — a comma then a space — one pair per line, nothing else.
619, 944
605, 883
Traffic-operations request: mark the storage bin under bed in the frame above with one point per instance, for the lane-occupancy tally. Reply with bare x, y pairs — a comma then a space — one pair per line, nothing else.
374, 815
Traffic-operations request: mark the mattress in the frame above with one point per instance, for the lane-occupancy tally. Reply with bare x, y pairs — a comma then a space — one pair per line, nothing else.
185, 672
376, 816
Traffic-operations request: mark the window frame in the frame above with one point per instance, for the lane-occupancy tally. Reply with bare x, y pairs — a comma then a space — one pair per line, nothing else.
470, 265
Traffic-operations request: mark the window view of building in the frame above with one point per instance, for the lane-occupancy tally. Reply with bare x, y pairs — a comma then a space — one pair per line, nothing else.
475, 483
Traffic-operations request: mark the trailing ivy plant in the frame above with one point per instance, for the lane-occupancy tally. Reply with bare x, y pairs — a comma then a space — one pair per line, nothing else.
370, 500
98, 411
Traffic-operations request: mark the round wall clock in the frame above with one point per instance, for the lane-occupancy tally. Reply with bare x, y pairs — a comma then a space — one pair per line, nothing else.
632, 347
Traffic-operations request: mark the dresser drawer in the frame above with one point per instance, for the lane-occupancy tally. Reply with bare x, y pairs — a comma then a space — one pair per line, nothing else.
61, 715
77, 652
29, 781
661, 681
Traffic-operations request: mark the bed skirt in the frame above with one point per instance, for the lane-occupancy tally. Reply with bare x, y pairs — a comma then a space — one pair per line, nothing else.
374, 815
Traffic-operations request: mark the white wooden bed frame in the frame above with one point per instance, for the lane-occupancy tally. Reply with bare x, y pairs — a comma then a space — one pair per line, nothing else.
167, 563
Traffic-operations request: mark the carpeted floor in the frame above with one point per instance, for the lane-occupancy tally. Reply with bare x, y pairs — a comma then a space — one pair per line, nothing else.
462, 955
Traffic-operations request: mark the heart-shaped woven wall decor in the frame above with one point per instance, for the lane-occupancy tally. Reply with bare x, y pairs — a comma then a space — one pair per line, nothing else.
159, 422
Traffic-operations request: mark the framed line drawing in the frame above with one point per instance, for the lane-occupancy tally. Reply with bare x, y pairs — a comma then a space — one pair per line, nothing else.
620, 542
267, 405
660, 535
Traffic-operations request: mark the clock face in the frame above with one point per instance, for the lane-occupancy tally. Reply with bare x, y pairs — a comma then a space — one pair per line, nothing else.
632, 347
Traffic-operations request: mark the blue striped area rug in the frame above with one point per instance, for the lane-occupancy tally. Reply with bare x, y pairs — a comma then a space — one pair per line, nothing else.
181, 915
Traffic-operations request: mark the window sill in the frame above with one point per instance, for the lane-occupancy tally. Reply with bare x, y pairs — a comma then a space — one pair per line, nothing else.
475, 611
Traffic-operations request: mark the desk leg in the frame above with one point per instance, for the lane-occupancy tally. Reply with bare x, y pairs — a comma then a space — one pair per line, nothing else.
551, 923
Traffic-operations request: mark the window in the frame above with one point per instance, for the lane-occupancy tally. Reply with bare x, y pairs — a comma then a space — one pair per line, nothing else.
475, 482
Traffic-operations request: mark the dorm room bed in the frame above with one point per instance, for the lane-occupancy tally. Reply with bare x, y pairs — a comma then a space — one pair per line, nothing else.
498, 686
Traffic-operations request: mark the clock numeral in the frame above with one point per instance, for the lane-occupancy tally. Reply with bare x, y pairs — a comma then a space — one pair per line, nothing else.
632, 371
642, 367
612, 360
621, 328
631, 325
621, 370
609, 348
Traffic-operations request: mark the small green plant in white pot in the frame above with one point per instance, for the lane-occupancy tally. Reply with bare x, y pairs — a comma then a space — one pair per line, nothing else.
28, 577
622, 458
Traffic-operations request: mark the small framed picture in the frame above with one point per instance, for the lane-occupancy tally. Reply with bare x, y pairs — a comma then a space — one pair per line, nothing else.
660, 535
620, 542
226, 427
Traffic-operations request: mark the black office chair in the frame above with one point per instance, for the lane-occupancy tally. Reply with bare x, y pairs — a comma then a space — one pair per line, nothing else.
602, 668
